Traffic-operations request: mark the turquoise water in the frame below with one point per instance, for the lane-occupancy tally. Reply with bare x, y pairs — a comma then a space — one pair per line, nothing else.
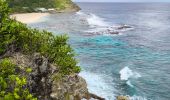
135, 62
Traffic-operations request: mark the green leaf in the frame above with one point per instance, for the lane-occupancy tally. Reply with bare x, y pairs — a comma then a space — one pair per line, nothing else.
29, 70
9, 97
16, 95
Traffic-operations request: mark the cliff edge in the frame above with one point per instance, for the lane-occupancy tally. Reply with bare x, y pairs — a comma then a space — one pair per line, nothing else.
44, 80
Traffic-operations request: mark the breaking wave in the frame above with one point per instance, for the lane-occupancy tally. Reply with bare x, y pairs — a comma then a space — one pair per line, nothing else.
126, 74
93, 20
137, 98
99, 25
96, 21
96, 84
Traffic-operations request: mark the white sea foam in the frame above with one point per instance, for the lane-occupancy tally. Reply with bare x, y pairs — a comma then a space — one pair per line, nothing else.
95, 20
99, 25
80, 13
137, 98
127, 73
98, 85
129, 83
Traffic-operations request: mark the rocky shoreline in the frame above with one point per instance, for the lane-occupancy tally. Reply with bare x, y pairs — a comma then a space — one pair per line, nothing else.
45, 81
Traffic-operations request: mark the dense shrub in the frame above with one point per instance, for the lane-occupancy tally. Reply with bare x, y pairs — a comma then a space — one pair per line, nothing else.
17, 37
12, 85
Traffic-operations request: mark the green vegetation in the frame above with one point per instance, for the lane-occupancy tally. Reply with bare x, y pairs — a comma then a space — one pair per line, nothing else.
17, 37
11, 83
62, 4
30, 5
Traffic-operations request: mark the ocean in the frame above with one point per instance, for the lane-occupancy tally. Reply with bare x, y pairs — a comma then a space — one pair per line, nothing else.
123, 48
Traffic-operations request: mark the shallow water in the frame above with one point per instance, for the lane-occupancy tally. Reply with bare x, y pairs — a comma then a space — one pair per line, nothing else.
136, 62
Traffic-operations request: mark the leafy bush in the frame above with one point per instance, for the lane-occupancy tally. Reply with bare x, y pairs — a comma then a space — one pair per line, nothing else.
12, 85
17, 37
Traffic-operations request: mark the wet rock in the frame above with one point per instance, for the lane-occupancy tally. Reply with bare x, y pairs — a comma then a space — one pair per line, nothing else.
123, 98
124, 27
96, 97
115, 32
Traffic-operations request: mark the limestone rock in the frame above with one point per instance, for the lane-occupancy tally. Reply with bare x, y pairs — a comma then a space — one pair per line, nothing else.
124, 27
69, 88
44, 83
39, 80
123, 98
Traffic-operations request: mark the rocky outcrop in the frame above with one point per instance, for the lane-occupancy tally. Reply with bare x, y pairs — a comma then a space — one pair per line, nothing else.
70, 88
124, 27
45, 81
96, 97
123, 98
39, 80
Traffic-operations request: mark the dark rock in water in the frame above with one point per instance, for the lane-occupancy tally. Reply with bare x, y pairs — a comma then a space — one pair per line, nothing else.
102, 32
124, 27
98, 33
96, 97
114, 32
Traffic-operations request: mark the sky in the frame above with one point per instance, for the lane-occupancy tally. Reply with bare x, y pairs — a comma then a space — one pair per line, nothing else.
121, 0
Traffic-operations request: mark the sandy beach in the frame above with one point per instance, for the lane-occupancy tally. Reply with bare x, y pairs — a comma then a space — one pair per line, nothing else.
29, 17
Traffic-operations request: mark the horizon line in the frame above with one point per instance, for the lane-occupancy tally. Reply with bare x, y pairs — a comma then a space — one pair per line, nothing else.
119, 2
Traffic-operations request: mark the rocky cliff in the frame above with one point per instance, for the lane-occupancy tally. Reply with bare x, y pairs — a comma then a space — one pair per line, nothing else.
45, 82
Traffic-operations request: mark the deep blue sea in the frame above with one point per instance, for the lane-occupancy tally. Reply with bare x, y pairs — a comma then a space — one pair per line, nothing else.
135, 62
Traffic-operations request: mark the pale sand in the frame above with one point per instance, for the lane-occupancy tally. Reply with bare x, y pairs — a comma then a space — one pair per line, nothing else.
29, 17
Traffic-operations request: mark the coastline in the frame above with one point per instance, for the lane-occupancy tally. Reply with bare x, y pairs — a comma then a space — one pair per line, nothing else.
28, 18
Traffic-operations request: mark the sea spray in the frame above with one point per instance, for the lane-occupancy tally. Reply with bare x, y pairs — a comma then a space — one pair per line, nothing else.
138, 98
127, 73
95, 20
99, 25
97, 83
